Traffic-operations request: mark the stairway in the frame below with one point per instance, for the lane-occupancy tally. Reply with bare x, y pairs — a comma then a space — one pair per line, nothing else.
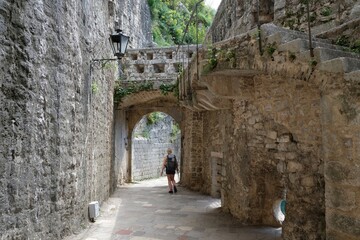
329, 57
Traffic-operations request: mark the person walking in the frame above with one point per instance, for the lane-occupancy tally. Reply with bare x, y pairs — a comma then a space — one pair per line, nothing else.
171, 165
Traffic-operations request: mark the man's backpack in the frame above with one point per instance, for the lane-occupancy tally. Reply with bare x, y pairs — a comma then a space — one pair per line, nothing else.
171, 164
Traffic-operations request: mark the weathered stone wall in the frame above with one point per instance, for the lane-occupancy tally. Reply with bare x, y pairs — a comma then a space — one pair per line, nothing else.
293, 132
148, 152
192, 151
263, 158
56, 151
134, 18
234, 17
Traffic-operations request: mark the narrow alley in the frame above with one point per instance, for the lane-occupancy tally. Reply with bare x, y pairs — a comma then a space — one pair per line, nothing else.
145, 210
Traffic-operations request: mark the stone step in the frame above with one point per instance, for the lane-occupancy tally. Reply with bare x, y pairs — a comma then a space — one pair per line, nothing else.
353, 76
325, 54
300, 45
280, 35
340, 65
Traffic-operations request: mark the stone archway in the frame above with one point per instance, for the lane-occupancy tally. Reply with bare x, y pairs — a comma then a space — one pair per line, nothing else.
151, 136
127, 116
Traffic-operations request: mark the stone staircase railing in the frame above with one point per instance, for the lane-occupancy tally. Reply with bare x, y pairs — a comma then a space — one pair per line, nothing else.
156, 65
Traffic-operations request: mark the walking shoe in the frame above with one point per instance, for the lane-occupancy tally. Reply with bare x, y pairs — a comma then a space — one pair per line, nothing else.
175, 189
170, 191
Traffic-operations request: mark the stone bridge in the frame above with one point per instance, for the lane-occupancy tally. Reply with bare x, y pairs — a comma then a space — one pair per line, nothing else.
154, 66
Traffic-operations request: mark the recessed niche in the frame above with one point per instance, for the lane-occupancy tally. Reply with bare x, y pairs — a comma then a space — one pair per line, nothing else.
169, 55
150, 56
139, 68
134, 56
159, 68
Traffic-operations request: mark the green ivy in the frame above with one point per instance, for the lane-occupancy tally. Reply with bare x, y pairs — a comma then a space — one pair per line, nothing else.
212, 60
270, 49
94, 88
121, 91
168, 88
175, 131
326, 11
154, 118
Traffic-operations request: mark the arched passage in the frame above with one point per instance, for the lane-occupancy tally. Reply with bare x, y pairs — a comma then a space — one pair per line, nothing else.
126, 119
152, 135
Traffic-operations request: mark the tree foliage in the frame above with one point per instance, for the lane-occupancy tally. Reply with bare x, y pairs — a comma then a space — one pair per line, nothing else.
169, 19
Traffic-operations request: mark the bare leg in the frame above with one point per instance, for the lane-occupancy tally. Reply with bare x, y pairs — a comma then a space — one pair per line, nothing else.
172, 179
169, 181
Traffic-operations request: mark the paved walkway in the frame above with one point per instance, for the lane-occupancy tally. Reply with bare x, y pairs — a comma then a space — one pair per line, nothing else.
146, 211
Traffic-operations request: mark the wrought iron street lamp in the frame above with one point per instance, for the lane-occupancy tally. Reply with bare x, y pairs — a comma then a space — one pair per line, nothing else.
119, 43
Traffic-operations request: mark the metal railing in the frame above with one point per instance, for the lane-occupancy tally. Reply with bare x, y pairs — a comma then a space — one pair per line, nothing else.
185, 90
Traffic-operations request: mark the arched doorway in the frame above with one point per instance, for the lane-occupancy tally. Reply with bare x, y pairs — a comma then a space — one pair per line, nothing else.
151, 137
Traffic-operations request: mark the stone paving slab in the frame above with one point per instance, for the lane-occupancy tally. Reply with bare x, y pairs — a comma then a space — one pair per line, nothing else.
146, 211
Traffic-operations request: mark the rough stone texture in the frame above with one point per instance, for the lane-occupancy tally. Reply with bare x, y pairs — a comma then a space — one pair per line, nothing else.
126, 120
56, 151
293, 133
192, 151
157, 65
239, 16
134, 18
148, 152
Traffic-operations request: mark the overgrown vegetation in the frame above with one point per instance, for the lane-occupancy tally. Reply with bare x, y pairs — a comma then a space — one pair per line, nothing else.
94, 88
169, 19
154, 118
211, 60
175, 131
121, 91
344, 41
168, 88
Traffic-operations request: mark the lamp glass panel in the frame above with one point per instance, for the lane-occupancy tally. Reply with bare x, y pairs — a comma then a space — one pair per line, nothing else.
124, 43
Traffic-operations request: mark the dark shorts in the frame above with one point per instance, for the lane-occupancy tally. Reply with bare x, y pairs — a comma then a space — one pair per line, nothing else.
170, 172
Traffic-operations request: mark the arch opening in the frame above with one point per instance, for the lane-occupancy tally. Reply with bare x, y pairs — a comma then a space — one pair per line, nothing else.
151, 137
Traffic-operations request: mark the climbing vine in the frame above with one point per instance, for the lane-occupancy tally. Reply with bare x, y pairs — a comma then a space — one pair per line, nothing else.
168, 88
122, 91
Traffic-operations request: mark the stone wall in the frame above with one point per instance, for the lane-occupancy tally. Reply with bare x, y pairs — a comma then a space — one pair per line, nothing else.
291, 132
56, 151
148, 152
192, 151
134, 18
234, 17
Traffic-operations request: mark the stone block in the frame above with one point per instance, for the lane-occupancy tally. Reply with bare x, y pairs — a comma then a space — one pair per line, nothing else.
336, 171
281, 167
293, 178
252, 120
284, 138
217, 154
308, 181
340, 65
271, 135
294, 167
291, 155
271, 146
280, 156
343, 199
343, 223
